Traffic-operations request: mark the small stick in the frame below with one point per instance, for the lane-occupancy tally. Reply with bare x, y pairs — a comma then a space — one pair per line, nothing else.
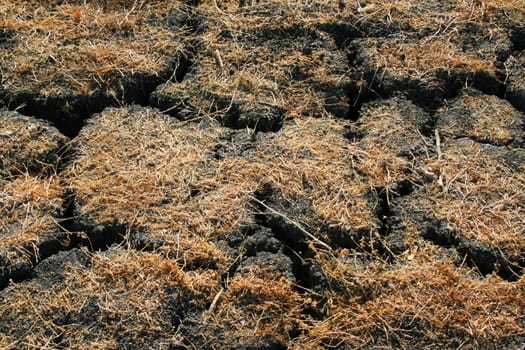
438, 144
214, 302
217, 6
315, 239
218, 59
440, 155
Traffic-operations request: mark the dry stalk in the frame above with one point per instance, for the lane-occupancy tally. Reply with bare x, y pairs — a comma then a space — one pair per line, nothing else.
440, 156
295, 223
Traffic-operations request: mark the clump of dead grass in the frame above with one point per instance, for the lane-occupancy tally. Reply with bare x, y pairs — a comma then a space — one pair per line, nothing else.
482, 196
446, 25
150, 162
121, 295
312, 158
257, 303
265, 13
474, 194
249, 59
161, 175
438, 16
423, 300
28, 145
418, 59
55, 52
30, 208
489, 119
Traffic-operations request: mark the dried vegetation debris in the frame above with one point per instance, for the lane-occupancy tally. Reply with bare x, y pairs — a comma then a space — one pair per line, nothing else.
64, 61
421, 301
31, 195
483, 196
381, 206
28, 145
302, 174
378, 17
429, 50
31, 208
121, 298
253, 71
394, 126
146, 169
173, 181
486, 119
427, 72
59, 53
474, 206
111, 299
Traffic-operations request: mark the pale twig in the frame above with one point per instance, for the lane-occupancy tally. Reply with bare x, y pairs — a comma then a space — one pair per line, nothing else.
296, 224
214, 302
218, 59
440, 155
438, 144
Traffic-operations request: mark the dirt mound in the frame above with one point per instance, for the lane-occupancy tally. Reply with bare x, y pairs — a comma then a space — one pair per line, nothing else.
32, 196
262, 174
65, 61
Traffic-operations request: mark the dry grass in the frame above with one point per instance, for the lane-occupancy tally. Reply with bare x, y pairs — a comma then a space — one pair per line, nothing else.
258, 61
460, 35
58, 54
476, 188
29, 210
422, 301
266, 13
145, 178
28, 145
31, 195
476, 194
440, 16
482, 196
426, 57
485, 119
395, 128
123, 294
383, 301
187, 187
423, 59
258, 302
126, 171
128, 297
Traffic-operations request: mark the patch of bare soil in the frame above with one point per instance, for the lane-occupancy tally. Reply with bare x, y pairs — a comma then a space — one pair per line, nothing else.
262, 174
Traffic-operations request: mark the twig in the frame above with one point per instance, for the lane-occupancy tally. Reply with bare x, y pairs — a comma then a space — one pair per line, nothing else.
440, 156
214, 302
218, 59
217, 6
296, 224
438, 144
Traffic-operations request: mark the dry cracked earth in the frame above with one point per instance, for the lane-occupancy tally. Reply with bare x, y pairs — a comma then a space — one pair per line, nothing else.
262, 174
